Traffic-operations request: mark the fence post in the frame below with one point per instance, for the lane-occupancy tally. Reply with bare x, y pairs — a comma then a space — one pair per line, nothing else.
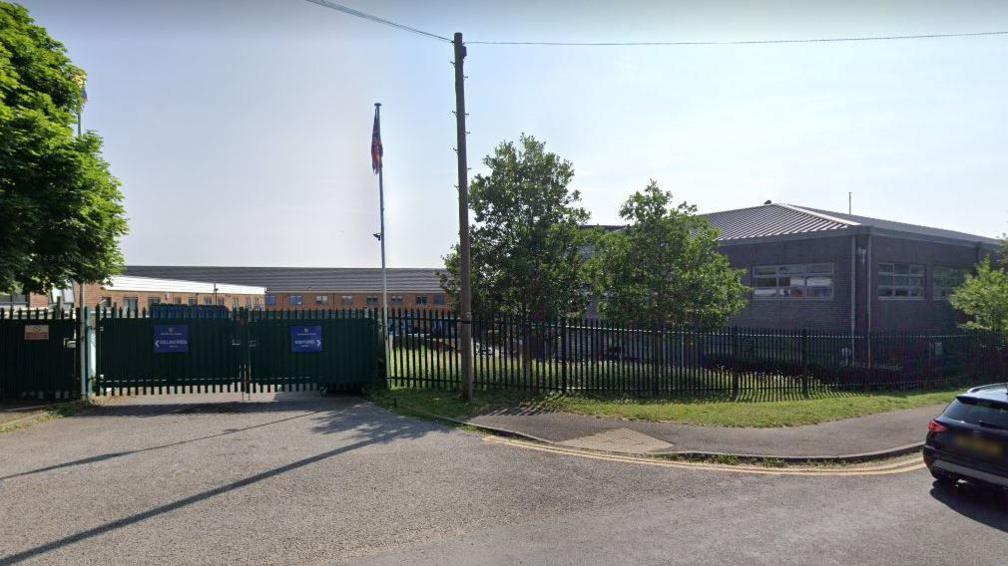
656, 336
733, 362
804, 363
563, 355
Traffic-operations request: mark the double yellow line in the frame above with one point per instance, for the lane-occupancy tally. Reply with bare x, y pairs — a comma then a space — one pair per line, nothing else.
901, 466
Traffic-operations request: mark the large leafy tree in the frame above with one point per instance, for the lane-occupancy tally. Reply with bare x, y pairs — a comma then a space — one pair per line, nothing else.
61, 216
527, 242
664, 267
983, 297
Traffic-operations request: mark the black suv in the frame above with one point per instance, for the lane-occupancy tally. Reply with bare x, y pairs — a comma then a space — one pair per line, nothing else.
969, 440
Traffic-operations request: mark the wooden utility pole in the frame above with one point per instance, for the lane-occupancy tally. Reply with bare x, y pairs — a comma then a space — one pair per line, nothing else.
465, 283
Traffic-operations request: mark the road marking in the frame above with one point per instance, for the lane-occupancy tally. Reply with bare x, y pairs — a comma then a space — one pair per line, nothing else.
897, 467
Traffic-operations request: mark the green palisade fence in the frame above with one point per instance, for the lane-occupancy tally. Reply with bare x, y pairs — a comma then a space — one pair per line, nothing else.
348, 360
592, 356
128, 363
245, 350
42, 367
196, 350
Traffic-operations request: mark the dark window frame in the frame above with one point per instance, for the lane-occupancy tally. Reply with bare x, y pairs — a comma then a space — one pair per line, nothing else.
783, 276
889, 277
940, 276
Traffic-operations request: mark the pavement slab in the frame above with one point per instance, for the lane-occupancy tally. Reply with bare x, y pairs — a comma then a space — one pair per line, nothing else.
619, 440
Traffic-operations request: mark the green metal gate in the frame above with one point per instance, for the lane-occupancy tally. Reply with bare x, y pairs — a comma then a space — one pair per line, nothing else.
198, 349
37, 355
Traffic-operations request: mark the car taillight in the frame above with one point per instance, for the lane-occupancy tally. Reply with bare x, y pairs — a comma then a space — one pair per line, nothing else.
935, 426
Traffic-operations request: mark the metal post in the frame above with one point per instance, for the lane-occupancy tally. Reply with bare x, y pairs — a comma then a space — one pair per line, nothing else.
381, 239
465, 291
82, 338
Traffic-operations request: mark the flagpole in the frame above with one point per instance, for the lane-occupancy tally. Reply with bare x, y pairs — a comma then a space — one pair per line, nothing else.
381, 206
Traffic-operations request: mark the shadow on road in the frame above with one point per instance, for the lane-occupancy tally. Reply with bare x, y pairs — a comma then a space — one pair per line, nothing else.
367, 425
984, 505
111, 455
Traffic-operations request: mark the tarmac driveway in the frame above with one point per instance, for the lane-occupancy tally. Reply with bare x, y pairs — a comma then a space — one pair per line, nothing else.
309, 480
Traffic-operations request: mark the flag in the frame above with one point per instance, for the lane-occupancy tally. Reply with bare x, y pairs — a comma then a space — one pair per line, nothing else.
376, 147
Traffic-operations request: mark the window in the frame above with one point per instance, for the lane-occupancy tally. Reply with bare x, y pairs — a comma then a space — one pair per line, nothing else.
346, 300
235, 302
372, 301
421, 300
207, 300
797, 281
151, 301
900, 281
271, 300
178, 300
396, 300
248, 302
439, 300
944, 280
131, 303
193, 301
295, 300
322, 300
976, 411
105, 302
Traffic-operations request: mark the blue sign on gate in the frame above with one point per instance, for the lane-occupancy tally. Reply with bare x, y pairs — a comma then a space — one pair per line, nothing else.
172, 338
306, 338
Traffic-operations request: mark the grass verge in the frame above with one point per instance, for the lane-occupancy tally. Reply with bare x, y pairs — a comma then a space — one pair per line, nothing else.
818, 408
56, 411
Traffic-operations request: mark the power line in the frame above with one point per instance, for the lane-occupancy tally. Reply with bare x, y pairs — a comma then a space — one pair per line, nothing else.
373, 18
742, 42
380, 20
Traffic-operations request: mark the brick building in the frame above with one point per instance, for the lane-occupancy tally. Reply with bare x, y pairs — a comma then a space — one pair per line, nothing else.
822, 270
136, 293
131, 292
318, 287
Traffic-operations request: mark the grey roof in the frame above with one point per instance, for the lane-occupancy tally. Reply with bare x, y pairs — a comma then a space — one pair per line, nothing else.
903, 227
293, 279
772, 220
779, 220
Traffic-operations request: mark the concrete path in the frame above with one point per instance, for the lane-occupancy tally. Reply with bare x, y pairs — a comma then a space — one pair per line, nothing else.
850, 437
205, 479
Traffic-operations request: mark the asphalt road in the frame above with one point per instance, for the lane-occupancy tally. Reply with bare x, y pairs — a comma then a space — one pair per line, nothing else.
306, 480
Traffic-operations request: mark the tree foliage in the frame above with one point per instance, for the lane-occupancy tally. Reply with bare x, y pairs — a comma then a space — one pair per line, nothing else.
665, 268
527, 240
983, 297
61, 216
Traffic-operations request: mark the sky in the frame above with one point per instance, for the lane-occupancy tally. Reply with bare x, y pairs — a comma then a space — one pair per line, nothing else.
240, 129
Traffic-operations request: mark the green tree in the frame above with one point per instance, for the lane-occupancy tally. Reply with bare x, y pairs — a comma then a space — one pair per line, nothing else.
664, 268
527, 242
61, 216
983, 297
